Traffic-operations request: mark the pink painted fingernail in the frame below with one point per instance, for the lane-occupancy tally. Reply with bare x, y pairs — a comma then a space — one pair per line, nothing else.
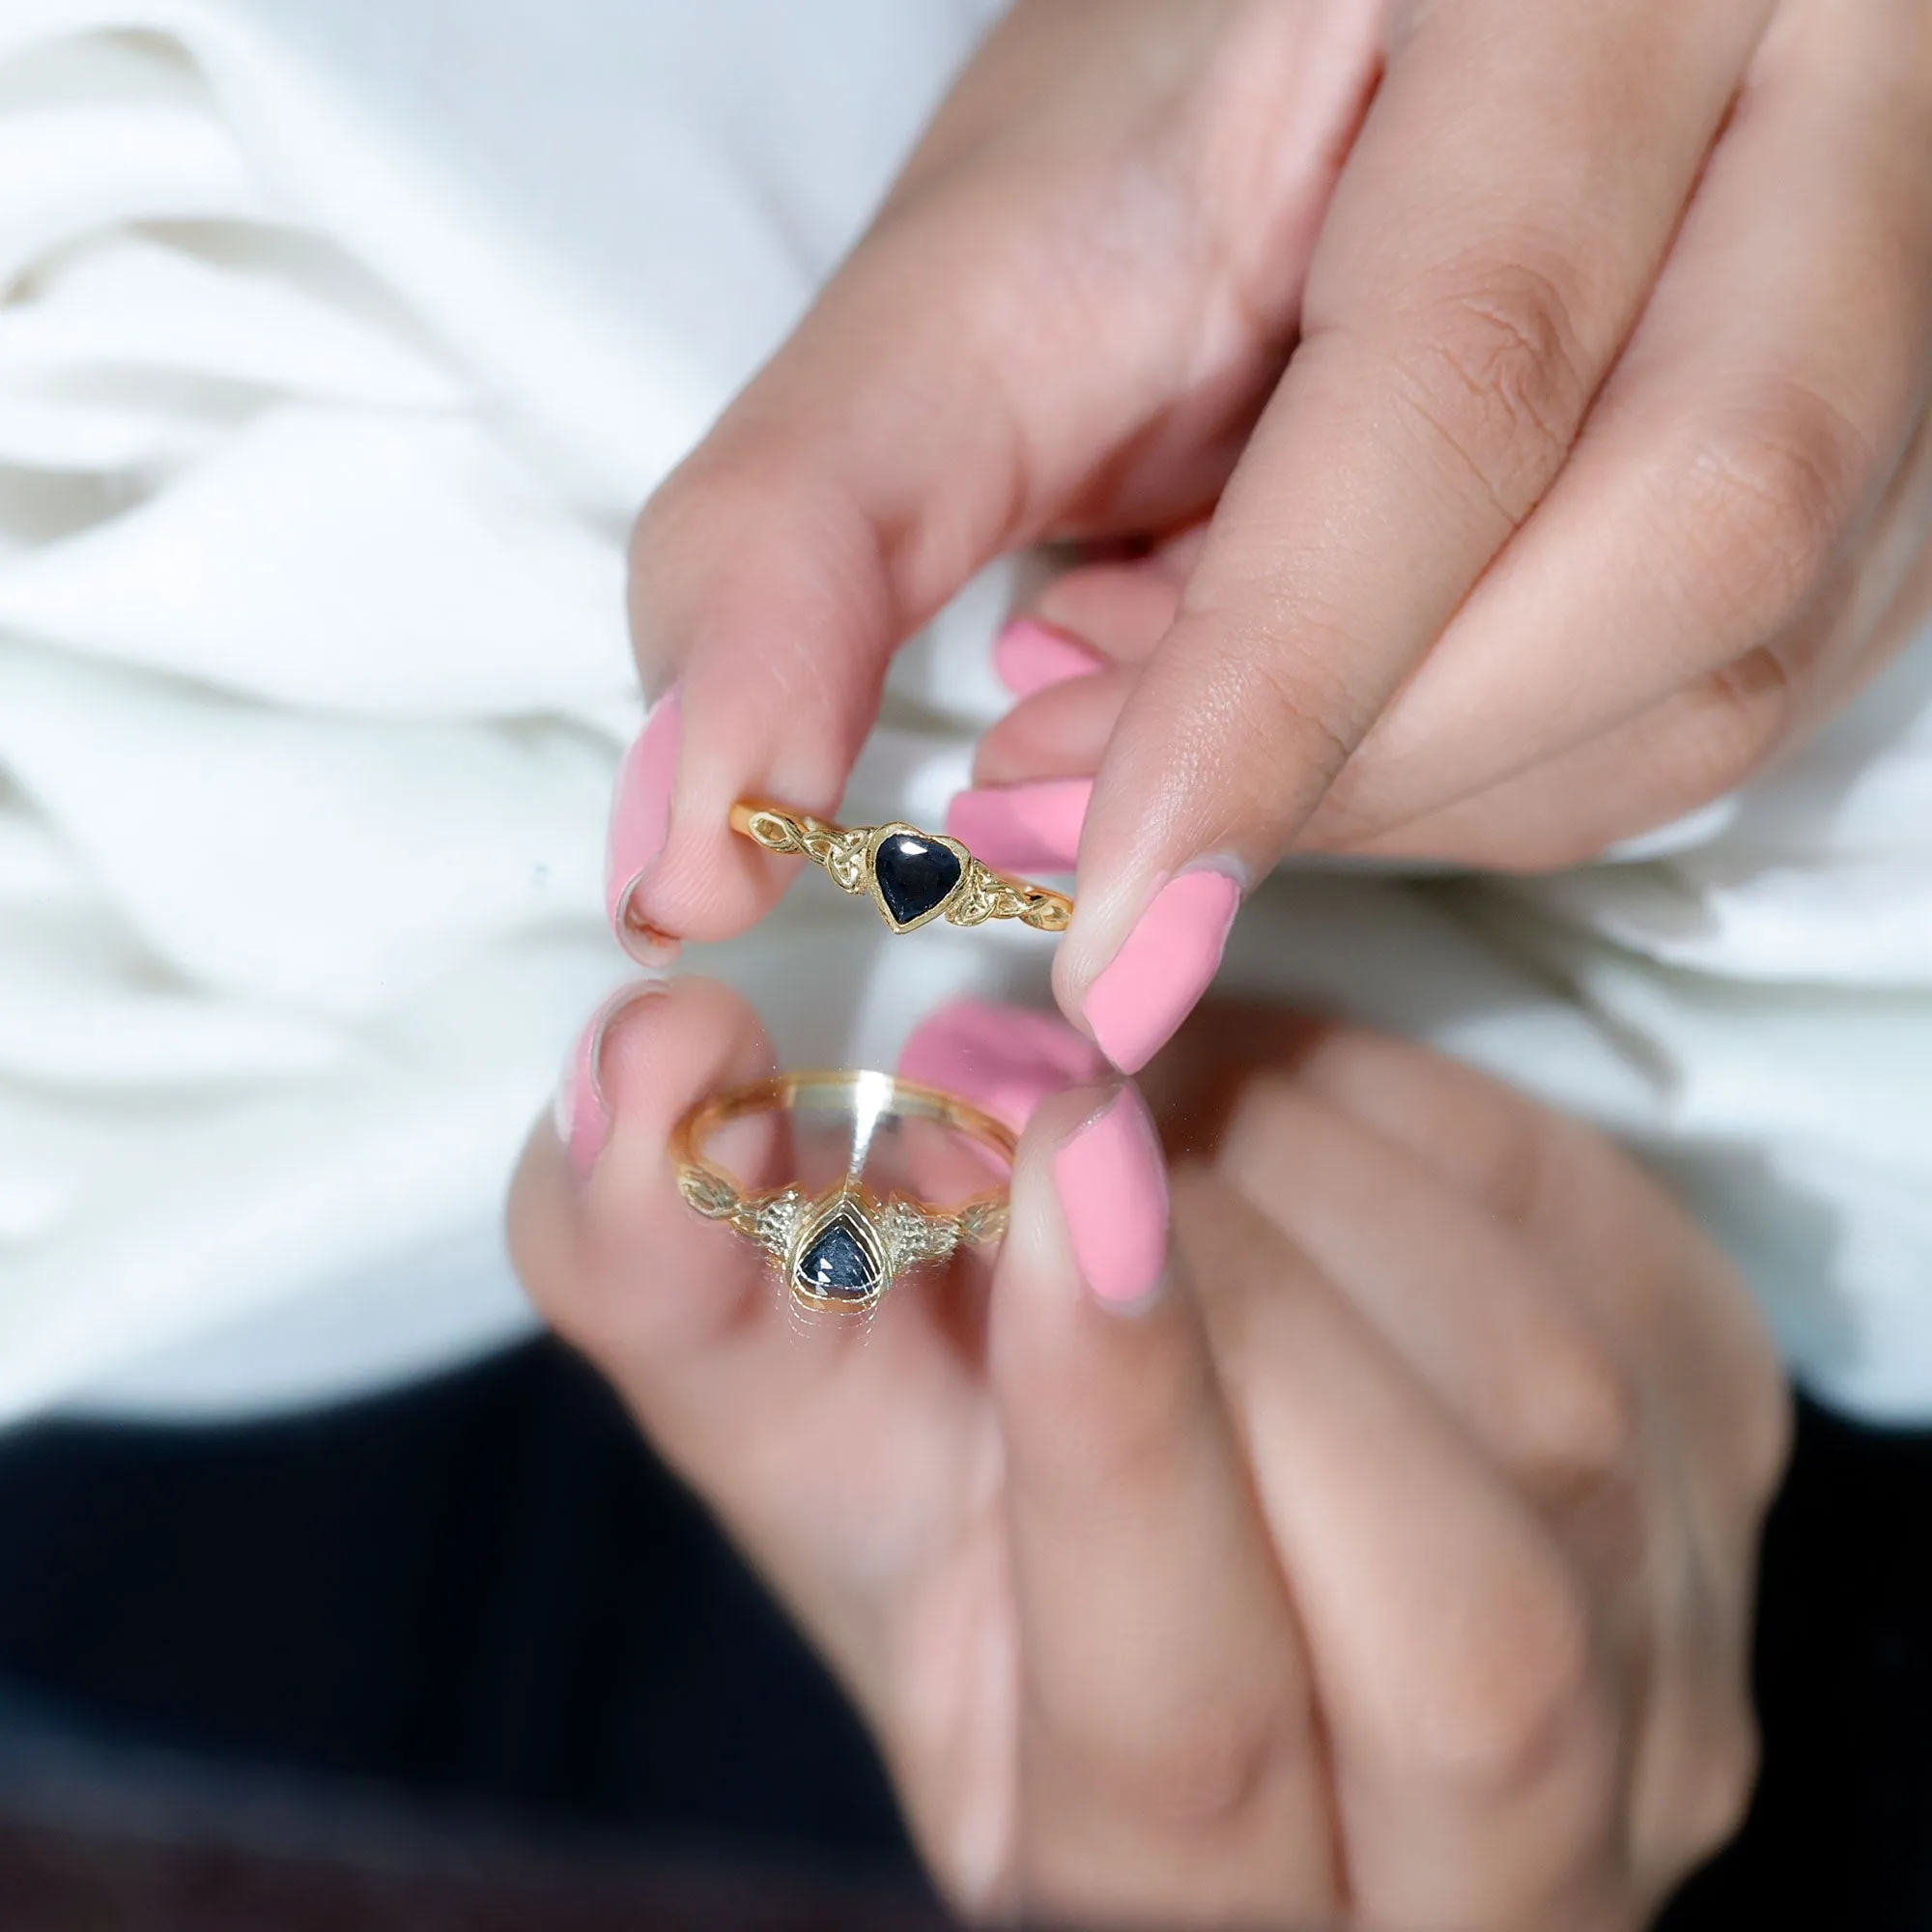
1112, 1185
1163, 966
1025, 828
1029, 656
582, 1115
639, 822
1006, 1058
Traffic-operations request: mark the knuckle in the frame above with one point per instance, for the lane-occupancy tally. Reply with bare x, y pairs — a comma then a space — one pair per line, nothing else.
1524, 1698
678, 529
1715, 1789
1121, 1449
1723, 1792
1301, 696
1271, 706
1752, 705
1507, 1156
677, 510
1499, 369
1711, 735
1766, 1423
742, 542
1765, 489
1194, 1777
697, 517
1583, 1424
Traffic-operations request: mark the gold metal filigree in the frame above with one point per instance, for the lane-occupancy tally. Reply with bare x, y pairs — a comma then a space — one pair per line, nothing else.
850, 859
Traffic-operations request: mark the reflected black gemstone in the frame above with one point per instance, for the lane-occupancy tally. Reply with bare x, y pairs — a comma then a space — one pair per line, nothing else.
837, 1266
914, 874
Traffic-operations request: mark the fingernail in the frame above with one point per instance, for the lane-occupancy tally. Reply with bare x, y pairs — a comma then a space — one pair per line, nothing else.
1026, 828
1163, 967
582, 1114
1004, 1059
1028, 656
1112, 1185
639, 822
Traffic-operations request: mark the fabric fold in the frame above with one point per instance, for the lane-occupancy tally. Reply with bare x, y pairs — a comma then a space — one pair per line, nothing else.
331, 369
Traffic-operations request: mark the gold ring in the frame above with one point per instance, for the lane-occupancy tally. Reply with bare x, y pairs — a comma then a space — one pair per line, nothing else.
912, 876
844, 1247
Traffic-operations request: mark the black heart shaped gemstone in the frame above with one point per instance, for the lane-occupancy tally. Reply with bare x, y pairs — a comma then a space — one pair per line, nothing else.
915, 875
838, 1266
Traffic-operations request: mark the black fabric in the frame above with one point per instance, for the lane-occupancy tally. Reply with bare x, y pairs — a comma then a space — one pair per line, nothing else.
483, 1590
486, 1591
1841, 1831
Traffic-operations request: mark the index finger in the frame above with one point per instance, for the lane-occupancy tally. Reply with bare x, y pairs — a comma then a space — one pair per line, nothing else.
1489, 249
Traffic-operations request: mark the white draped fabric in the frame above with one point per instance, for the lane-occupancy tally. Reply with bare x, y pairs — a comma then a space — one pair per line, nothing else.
337, 344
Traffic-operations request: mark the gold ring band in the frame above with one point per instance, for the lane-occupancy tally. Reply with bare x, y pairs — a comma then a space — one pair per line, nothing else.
844, 1247
912, 876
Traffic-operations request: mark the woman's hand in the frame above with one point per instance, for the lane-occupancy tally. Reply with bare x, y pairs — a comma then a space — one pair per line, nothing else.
1377, 1552
1553, 380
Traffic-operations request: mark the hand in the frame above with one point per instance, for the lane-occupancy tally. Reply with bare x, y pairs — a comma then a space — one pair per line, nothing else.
1377, 1553
1552, 380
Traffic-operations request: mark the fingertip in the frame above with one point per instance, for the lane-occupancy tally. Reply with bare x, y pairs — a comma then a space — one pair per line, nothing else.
760, 595
1066, 1371
648, 1053
640, 809
1026, 829
549, 1209
1133, 1005
643, 942
1060, 733
1110, 1183
1004, 1059
1121, 607
658, 1057
1029, 656
673, 869
710, 885
616, 1260
1088, 1226
581, 1112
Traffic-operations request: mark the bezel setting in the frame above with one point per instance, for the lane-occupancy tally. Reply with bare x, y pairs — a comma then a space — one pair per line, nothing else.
880, 1238
850, 858
851, 1209
899, 829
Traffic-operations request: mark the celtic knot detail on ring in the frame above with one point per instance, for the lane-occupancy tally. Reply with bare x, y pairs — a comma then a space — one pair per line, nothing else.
769, 1216
841, 853
987, 895
913, 876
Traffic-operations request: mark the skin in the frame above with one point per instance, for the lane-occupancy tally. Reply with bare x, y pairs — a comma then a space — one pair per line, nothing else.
1547, 384
1393, 1569
1497, 429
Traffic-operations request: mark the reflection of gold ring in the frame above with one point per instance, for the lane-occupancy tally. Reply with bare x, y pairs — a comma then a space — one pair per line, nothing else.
844, 1247
912, 876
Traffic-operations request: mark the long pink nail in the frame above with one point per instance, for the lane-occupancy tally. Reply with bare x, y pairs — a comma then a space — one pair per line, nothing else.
1113, 1191
582, 1115
1026, 828
640, 823
1006, 1058
1163, 967
1027, 657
